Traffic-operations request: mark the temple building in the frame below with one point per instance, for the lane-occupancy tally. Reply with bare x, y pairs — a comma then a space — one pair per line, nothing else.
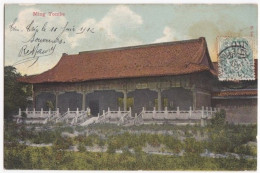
173, 74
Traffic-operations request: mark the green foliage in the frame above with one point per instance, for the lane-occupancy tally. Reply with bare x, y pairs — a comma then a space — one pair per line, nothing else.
230, 138
246, 150
82, 147
50, 105
22, 157
111, 147
192, 146
88, 141
15, 93
219, 119
62, 143
101, 143
173, 144
24, 115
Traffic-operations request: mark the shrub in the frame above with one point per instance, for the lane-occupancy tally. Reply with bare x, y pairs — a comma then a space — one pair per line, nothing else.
24, 115
192, 146
111, 148
246, 150
219, 119
62, 143
88, 141
82, 147
101, 143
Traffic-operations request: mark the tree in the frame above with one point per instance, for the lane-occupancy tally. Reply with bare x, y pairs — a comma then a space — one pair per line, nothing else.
15, 93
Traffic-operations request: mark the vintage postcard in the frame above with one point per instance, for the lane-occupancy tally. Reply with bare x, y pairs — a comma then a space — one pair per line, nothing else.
130, 86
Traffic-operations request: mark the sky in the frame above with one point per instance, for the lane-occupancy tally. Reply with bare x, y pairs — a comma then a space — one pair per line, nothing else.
111, 26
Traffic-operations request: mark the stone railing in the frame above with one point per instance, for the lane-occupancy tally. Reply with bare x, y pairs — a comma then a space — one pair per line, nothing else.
114, 117
171, 115
118, 117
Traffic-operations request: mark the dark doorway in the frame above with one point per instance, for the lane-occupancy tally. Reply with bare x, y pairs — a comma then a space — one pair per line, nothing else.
94, 107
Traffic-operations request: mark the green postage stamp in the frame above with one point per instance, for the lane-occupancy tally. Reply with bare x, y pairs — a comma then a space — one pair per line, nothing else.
235, 58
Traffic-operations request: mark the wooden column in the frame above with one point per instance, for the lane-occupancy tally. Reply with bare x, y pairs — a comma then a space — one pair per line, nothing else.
34, 97
159, 100
125, 100
194, 94
83, 100
56, 99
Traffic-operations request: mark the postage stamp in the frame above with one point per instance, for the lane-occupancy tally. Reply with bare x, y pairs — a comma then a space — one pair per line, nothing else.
235, 58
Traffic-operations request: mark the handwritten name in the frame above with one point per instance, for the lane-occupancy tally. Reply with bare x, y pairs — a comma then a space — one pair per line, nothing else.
36, 51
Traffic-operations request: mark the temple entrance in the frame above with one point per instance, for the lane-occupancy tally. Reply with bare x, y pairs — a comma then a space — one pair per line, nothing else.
94, 107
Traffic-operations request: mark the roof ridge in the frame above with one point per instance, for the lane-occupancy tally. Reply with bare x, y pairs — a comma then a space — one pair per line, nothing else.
142, 46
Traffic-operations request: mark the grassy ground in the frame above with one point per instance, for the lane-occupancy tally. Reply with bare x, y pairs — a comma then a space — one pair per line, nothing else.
191, 139
22, 157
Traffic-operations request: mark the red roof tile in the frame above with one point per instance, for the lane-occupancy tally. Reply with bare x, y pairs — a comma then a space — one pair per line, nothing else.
173, 58
235, 93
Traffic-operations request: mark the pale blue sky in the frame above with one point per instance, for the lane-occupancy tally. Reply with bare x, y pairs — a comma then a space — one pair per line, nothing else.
127, 25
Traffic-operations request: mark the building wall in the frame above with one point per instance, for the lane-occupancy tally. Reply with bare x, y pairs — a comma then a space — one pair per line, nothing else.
42, 98
203, 98
101, 94
143, 98
238, 110
178, 97
72, 100
102, 100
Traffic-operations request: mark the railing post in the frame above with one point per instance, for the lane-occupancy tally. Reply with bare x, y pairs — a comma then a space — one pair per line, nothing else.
166, 111
135, 115
104, 113
98, 115
207, 112
68, 111
108, 112
190, 112
20, 112
202, 112
33, 111
57, 109
88, 112
211, 112
77, 112
130, 111
142, 113
49, 111
119, 112
26, 111
202, 120
154, 111
41, 111
178, 110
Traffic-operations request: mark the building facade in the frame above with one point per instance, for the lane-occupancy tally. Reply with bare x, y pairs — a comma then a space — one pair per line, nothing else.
158, 75
173, 74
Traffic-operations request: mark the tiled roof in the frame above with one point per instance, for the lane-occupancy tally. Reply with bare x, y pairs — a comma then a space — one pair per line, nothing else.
235, 93
172, 58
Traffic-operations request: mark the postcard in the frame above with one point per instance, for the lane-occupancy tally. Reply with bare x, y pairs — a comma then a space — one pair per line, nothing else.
130, 86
